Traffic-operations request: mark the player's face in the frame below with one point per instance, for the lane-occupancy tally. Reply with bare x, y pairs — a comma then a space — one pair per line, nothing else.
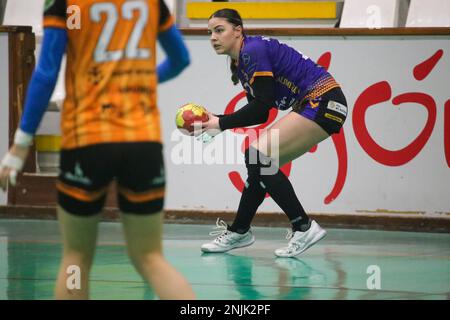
224, 36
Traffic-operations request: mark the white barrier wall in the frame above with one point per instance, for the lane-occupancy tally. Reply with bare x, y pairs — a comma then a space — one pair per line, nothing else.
4, 101
391, 156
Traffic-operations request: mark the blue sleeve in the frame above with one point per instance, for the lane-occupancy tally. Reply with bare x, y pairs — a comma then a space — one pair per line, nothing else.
177, 54
43, 80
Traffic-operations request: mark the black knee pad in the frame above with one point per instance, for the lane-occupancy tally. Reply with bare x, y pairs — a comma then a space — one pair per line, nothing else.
254, 161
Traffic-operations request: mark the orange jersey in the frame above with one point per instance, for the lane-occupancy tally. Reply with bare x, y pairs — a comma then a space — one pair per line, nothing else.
111, 69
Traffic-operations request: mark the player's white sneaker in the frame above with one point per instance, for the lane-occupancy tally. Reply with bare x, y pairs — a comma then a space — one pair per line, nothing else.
227, 239
300, 241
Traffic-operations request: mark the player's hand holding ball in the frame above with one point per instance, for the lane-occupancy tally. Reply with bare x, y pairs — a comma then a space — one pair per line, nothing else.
195, 120
190, 119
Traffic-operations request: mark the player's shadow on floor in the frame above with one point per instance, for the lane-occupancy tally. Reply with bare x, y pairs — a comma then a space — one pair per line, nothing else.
294, 276
239, 271
297, 279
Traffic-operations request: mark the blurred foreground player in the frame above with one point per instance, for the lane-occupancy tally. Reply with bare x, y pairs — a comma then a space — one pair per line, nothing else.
110, 130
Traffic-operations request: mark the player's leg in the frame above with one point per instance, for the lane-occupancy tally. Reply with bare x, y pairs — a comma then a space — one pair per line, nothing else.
289, 138
143, 233
239, 234
296, 135
79, 236
252, 197
141, 198
82, 187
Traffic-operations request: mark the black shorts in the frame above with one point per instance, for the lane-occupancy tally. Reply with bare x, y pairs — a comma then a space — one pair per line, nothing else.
85, 174
329, 110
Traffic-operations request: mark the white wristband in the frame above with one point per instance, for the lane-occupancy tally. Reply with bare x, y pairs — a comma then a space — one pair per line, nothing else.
12, 162
205, 137
13, 177
23, 139
208, 135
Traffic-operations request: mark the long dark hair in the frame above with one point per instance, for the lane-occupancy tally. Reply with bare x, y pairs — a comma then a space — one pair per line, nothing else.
233, 17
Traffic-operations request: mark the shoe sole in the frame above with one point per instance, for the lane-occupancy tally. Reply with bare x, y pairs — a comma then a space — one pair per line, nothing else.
221, 251
316, 239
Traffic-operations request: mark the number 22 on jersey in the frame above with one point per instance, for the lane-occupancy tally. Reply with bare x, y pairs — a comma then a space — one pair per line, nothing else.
102, 54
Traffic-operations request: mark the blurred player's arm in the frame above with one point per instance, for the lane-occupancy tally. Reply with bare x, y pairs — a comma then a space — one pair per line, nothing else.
173, 45
257, 110
40, 89
44, 79
177, 54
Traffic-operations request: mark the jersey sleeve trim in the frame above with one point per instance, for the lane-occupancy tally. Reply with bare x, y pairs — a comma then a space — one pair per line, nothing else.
54, 22
261, 74
166, 25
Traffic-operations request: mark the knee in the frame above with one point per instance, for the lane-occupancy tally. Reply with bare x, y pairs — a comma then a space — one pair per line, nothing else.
79, 258
255, 161
146, 261
148, 264
251, 163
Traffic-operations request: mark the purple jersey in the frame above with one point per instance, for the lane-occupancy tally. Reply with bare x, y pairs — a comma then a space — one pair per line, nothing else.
296, 76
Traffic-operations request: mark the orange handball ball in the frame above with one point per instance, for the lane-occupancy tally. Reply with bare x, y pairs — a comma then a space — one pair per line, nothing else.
189, 114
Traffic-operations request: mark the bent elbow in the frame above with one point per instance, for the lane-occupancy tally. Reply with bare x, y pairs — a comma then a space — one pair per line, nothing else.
184, 62
178, 65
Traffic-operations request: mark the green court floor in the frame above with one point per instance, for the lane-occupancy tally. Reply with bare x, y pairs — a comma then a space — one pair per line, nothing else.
342, 266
